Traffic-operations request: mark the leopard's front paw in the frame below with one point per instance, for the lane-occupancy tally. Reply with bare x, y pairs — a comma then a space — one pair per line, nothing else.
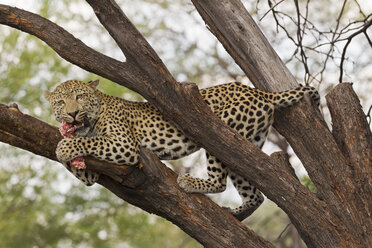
67, 150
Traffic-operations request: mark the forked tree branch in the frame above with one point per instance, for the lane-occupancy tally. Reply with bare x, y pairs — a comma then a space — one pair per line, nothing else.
207, 125
320, 224
69, 47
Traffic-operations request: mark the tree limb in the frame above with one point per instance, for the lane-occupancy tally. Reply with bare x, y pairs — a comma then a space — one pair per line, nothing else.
230, 22
192, 115
67, 46
353, 136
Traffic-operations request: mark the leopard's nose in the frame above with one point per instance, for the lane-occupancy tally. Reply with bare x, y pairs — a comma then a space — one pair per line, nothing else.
73, 114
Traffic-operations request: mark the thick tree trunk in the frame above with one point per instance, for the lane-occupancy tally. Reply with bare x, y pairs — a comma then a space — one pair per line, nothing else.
334, 220
353, 136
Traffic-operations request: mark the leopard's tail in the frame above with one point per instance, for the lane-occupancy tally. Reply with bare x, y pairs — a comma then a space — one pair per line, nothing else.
290, 97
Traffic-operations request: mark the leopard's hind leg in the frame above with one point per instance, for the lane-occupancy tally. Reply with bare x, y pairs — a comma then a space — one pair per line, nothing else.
250, 195
216, 182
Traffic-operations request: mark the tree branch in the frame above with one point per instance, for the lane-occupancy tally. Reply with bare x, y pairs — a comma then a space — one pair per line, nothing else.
69, 47
353, 136
134, 46
182, 104
190, 113
350, 128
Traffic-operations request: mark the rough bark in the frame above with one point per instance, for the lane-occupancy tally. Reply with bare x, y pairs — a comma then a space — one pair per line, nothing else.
353, 136
330, 222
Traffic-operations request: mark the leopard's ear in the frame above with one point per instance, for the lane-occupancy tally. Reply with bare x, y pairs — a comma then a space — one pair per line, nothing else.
93, 83
47, 95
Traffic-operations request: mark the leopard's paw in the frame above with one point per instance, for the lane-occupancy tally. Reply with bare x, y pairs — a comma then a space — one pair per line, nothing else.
67, 151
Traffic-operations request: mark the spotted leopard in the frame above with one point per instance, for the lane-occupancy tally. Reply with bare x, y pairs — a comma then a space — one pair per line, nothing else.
113, 129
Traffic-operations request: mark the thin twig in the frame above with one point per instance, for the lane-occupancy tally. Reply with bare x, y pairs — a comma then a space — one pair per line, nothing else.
349, 39
271, 9
285, 229
360, 9
368, 39
300, 32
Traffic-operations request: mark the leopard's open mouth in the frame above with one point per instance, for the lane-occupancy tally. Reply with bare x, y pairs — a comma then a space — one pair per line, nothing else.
74, 128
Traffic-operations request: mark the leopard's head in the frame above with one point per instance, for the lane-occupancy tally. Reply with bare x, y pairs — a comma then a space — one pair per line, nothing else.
77, 103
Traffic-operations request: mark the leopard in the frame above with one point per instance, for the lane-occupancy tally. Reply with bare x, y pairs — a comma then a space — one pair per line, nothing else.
113, 129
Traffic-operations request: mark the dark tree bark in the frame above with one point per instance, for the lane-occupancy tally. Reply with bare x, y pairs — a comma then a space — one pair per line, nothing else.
336, 217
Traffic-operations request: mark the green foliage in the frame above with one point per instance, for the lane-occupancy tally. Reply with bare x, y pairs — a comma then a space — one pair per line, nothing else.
41, 207
30, 67
309, 184
114, 89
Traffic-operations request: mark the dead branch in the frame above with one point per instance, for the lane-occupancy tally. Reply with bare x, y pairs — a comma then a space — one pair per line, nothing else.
363, 30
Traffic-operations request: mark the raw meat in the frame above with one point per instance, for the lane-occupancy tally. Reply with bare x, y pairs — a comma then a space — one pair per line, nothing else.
67, 130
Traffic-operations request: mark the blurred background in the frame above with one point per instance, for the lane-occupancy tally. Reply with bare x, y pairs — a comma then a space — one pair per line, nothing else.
42, 205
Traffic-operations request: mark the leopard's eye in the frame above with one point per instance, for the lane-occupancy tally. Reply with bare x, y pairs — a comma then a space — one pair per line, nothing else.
60, 102
79, 96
